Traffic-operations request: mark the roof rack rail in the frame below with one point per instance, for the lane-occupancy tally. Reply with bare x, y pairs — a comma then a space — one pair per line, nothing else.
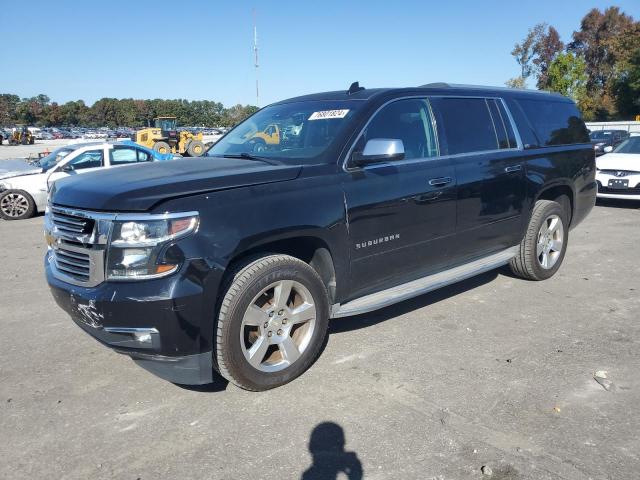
484, 87
354, 88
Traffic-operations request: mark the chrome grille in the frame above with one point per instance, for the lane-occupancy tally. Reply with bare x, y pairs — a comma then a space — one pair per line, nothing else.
75, 264
70, 225
77, 240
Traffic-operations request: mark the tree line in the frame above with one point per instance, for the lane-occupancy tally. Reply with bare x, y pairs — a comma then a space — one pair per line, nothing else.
599, 68
112, 112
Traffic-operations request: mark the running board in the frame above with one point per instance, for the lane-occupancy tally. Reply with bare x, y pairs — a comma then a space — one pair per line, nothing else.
422, 285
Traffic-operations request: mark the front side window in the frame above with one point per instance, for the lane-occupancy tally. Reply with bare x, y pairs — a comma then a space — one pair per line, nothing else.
291, 130
88, 159
466, 124
407, 120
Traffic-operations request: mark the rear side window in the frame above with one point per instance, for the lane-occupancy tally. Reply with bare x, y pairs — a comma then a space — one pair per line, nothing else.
465, 124
555, 123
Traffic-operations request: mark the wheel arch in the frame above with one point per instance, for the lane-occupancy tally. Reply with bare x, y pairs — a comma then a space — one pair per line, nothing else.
310, 249
555, 191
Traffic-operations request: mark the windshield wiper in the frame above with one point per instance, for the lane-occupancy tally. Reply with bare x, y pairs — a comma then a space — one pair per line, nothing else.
248, 156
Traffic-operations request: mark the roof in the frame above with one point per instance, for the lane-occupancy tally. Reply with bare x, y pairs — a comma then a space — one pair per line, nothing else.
430, 88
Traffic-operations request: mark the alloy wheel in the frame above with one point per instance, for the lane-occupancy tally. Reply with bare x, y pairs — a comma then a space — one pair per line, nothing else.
550, 241
278, 325
14, 205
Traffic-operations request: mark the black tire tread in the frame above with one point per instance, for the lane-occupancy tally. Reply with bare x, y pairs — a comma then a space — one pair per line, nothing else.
522, 265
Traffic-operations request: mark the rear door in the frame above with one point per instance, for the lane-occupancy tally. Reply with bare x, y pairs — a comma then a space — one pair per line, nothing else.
478, 135
401, 214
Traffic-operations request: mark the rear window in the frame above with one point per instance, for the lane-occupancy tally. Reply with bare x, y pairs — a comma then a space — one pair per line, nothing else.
555, 123
465, 124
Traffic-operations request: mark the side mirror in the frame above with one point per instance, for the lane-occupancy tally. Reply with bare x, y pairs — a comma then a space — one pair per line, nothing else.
379, 150
608, 149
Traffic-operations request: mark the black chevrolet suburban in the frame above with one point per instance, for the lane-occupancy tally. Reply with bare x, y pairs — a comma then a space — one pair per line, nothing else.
235, 262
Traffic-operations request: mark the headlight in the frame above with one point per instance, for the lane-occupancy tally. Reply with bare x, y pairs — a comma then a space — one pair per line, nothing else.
136, 246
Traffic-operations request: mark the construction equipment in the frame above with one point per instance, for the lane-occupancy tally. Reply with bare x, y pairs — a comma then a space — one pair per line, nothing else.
21, 136
164, 137
268, 136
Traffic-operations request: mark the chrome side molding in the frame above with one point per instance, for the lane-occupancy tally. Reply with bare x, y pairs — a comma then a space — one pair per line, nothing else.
422, 285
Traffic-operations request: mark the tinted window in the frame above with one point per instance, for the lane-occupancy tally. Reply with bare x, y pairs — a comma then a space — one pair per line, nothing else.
507, 123
631, 145
525, 129
406, 120
498, 123
555, 123
90, 159
465, 124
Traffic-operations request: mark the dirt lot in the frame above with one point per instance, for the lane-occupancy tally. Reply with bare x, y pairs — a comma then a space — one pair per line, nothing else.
494, 372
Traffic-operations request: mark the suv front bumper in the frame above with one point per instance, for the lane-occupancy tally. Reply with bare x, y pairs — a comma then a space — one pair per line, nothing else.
158, 323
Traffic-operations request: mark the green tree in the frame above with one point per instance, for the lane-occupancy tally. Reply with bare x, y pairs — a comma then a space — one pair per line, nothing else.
567, 76
627, 88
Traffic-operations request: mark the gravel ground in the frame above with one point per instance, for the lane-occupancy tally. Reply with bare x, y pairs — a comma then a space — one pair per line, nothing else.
494, 372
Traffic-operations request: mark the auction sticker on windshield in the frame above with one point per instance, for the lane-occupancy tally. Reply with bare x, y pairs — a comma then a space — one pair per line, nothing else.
328, 114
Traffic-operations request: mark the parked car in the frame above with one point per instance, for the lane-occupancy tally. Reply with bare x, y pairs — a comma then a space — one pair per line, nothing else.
24, 183
601, 139
618, 174
384, 195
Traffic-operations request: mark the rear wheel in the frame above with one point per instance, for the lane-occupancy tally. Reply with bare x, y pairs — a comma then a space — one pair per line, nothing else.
162, 147
195, 148
16, 205
258, 145
544, 245
272, 322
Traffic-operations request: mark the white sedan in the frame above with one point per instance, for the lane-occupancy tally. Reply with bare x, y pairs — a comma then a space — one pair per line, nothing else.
24, 184
618, 172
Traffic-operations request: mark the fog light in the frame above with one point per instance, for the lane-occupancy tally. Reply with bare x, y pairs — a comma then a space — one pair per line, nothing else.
143, 337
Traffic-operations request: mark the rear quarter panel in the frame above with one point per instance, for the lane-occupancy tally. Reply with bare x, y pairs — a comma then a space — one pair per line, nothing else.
572, 166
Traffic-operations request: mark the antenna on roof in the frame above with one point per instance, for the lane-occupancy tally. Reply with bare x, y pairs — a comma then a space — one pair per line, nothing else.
354, 88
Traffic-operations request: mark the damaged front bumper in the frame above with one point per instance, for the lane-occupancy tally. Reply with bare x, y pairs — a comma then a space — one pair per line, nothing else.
156, 322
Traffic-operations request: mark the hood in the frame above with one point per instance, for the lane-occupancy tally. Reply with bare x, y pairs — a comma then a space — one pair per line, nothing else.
140, 187
619, 161
16, 167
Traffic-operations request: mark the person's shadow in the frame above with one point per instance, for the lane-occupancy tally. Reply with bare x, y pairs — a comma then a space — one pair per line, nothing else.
326, 446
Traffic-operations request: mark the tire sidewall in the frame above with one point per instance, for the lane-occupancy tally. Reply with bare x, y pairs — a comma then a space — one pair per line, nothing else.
231, 351
550, 209
30, 210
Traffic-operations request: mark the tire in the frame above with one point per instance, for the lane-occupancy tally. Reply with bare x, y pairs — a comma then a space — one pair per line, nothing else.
250, 310
258, 145
541, 254
195, 148
162, 147
16, 205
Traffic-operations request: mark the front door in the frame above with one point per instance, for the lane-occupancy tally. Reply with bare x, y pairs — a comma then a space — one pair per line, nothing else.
401, 215
84, 162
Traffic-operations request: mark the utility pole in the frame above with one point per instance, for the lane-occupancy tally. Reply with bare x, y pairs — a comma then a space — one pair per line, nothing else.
255, 51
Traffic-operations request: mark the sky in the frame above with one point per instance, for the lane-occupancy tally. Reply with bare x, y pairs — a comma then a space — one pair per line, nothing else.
87, 50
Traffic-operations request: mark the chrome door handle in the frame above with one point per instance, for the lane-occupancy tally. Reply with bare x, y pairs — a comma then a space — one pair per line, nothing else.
513, 168
440, 182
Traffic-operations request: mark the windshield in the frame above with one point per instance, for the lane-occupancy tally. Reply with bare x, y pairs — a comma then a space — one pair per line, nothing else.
54, 157
166, 124
601, 135
631, 145
290, 130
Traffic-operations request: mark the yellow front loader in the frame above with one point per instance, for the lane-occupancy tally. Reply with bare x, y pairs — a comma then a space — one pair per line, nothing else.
164, 137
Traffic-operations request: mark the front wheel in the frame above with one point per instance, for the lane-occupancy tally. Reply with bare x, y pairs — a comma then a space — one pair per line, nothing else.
272, 322
16, 205
544, 245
